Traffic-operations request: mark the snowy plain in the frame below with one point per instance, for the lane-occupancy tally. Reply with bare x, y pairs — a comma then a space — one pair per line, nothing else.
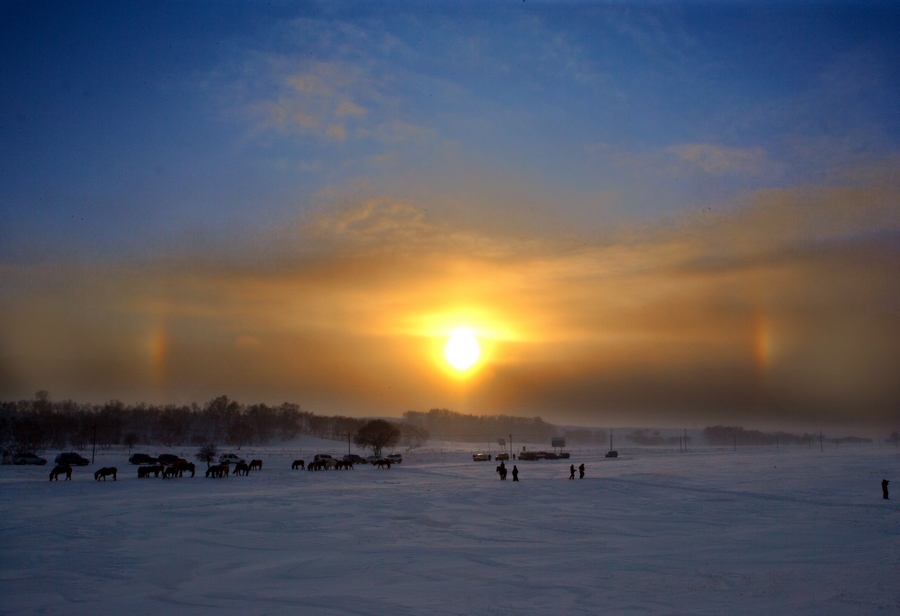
752, 531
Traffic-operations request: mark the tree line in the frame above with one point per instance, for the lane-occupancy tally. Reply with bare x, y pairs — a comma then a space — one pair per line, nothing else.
736, 435
444, 424
41, 423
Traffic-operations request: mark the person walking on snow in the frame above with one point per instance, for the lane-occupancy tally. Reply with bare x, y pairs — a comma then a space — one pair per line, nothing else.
581, 471
884, 484
515, 473
572, 472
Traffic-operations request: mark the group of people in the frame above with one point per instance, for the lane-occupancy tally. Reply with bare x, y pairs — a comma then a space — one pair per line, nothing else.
501, 470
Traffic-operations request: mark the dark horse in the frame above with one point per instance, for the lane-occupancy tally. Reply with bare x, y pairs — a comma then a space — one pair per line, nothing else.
183, 466
146, 471
241, 468
298, 464
255, 465
60, 470
382, 464
217, 470
106, 472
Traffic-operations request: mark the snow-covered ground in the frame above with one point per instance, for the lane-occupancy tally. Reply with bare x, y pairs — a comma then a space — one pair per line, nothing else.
705, 532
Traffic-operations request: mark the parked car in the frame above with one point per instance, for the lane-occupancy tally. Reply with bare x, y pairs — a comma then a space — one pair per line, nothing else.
227, 458
355, 459
612, 454
564, 455
481, 457
71, 458
142, 458
28, 458
502, 456
394, 458
372, 459
528, 455
168, 459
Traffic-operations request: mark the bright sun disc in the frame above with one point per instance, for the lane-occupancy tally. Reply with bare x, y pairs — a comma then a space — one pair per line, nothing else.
462, 349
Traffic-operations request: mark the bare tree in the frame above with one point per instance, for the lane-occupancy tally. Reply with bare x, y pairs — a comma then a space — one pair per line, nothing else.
376, 435
208, 453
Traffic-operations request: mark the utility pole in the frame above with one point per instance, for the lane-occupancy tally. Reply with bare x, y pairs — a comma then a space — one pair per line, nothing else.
94, 451
510, 444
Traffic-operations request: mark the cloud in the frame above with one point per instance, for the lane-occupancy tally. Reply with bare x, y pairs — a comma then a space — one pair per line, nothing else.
347, 108
761, 312
718, 160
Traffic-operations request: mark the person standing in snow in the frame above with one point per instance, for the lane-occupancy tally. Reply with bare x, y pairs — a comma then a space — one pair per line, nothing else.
884, 492
515, 473
572, 472
581, 471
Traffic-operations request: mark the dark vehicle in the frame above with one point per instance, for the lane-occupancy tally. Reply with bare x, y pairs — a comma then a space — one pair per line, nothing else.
528, 455
28, 458
72, 459
481, 457
502, 456
549, 455
612, 454
395, 458
142, 458
323, 457
564, 455
353, 458
168, 459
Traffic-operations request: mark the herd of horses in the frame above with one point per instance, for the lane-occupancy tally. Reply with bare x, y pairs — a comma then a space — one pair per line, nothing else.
182, 466
332, 464
178, 469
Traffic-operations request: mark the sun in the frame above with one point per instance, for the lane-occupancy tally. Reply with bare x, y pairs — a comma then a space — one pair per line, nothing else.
462, 350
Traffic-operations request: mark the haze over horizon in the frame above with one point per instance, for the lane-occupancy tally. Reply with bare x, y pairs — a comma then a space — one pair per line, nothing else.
649, 214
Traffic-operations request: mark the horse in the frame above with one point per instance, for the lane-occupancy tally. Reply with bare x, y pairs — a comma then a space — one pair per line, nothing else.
156, 469
59, 470
241, 468
184, 465
106, 472
170, 471
298, 464
255, 465
214, 471
344, 465
382, 463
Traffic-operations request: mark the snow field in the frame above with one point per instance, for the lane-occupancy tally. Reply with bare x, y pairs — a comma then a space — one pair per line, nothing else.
707, 532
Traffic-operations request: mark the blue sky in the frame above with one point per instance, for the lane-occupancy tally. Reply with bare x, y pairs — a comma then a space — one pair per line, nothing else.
229, 135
